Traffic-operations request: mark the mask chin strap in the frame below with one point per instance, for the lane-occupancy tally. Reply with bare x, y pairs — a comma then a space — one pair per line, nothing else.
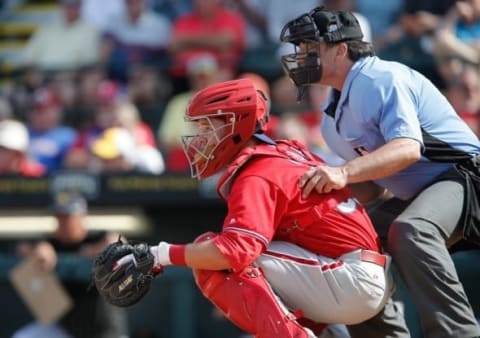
308, 74
300, 93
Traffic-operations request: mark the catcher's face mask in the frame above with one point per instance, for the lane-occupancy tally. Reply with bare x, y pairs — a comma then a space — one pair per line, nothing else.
304, 66
210, 131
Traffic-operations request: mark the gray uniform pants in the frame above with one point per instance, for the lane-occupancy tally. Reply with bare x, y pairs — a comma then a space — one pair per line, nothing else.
417, 234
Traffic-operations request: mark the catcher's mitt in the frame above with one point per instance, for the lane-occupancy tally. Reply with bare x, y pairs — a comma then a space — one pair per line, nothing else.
123, 273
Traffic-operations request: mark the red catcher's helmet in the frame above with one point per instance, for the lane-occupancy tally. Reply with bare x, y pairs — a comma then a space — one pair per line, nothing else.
226, 115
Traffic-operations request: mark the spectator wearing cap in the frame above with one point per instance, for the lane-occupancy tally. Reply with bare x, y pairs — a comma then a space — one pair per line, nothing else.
14, 144
107, 98
108, 95
203, 70
117, 141
66, 44
117, 151
49, 139
90, 316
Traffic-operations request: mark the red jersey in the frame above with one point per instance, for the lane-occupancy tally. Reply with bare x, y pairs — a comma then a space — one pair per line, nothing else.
29, 168
265, 203
224, 21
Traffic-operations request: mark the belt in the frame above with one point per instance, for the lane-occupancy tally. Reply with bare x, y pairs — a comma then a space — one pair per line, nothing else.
373, 257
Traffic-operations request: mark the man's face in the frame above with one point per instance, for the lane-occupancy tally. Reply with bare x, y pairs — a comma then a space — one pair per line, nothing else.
70, 227
44, 118
208, 132
464, 94
135, 8
71, 12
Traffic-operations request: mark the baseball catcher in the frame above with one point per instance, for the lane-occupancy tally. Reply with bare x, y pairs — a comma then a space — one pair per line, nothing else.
282, 266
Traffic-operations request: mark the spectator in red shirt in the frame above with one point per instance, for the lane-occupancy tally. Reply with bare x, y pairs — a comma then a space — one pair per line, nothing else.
209, 28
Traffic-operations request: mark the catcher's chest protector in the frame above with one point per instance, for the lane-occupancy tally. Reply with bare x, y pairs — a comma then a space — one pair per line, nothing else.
288, 149
247, 300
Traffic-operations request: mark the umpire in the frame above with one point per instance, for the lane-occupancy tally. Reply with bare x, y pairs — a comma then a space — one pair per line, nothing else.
397, 132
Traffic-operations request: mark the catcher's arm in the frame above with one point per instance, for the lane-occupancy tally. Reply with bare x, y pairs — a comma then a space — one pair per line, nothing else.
123, 272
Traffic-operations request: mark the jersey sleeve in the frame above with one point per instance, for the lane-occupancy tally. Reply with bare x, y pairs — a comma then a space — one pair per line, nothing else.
253, 210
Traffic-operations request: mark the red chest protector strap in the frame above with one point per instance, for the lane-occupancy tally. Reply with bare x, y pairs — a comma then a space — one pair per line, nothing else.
290, 150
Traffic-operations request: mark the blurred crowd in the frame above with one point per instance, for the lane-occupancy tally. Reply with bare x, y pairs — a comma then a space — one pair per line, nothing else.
103, 88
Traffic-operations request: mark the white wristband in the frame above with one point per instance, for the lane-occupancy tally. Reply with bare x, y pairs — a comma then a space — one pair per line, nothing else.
161, 252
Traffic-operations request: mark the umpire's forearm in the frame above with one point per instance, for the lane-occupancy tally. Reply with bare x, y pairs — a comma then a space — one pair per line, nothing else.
387, 160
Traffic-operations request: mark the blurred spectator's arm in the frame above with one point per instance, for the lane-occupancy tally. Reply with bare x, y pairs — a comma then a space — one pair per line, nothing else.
221, 41
43, 253
446, 43
420, 23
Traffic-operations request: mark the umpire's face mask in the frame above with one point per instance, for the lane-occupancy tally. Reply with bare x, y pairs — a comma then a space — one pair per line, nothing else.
304, 66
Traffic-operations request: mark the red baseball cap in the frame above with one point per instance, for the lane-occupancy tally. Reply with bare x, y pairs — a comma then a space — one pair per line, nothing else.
107, 91
45, 98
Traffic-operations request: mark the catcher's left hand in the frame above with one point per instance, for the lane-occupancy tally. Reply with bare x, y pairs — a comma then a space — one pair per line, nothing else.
123, 273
